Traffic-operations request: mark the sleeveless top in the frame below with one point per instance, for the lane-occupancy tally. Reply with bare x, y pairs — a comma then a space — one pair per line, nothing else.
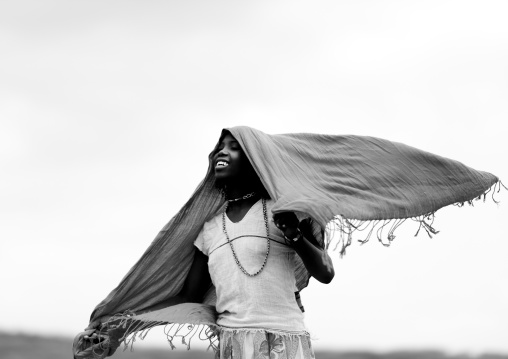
266, 301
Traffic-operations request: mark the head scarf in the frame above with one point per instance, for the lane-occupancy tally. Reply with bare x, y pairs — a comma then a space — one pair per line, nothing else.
352, 182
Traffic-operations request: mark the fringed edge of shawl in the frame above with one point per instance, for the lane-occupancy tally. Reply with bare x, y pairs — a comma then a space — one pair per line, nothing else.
185, 332
384, 229
139, 329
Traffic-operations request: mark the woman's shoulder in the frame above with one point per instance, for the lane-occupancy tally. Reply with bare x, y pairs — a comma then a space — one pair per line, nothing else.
206, 235
213, 223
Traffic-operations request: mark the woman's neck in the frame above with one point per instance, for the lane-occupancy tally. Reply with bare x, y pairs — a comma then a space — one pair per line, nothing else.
238, 189
236, 210
240, 203
236, 194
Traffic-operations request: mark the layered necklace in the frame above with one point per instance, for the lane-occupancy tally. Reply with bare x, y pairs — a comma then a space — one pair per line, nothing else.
265, 216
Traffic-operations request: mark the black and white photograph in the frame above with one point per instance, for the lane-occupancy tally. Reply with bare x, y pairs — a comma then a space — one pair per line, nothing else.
253, 179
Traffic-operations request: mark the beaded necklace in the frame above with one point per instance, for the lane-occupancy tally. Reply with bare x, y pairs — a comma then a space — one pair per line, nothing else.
265, 216
249, 195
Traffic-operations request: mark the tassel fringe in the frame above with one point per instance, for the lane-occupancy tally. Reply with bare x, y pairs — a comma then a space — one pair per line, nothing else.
384, 229
138, 329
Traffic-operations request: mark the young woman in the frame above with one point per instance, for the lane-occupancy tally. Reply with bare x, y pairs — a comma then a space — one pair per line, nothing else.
235, 261
249, 256
250, 259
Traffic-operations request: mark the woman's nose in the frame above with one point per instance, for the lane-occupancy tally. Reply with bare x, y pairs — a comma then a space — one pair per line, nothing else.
222, 151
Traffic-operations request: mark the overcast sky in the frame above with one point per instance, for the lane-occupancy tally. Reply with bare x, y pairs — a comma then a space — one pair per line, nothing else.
108, 110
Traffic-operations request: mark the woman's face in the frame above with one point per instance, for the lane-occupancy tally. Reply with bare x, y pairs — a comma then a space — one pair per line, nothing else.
230, 161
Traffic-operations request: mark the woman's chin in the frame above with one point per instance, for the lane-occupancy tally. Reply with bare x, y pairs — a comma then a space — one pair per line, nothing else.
226, 175
221, 182
220, 176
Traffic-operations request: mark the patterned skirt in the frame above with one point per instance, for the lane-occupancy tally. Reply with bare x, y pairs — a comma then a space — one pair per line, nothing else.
262, 344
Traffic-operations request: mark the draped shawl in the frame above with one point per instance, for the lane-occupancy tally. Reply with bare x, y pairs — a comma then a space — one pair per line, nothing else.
348, 181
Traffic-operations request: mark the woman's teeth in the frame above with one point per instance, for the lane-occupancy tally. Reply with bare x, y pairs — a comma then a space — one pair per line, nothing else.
222, 163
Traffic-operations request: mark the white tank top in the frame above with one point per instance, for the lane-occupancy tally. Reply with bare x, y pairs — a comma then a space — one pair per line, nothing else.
266, 301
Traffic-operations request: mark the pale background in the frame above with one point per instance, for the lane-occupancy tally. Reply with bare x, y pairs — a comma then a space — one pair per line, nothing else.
109, 109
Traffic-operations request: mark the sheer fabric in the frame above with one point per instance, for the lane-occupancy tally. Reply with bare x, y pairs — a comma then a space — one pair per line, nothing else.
354, 181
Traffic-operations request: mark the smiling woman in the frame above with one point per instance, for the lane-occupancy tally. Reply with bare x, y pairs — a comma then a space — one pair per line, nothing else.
251, 264
249, 259
232, 167
237, 254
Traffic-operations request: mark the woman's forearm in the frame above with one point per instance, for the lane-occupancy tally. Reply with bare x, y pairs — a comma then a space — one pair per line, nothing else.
316, 260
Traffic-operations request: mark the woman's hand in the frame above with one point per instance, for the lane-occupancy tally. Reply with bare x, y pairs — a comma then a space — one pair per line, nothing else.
287, 223
113, 331
92, 329
98, 340
95, 346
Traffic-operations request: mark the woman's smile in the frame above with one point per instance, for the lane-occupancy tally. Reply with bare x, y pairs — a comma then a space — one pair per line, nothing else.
221, 164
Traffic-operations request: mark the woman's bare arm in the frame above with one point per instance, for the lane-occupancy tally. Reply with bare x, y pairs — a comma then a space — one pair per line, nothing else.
315, 259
